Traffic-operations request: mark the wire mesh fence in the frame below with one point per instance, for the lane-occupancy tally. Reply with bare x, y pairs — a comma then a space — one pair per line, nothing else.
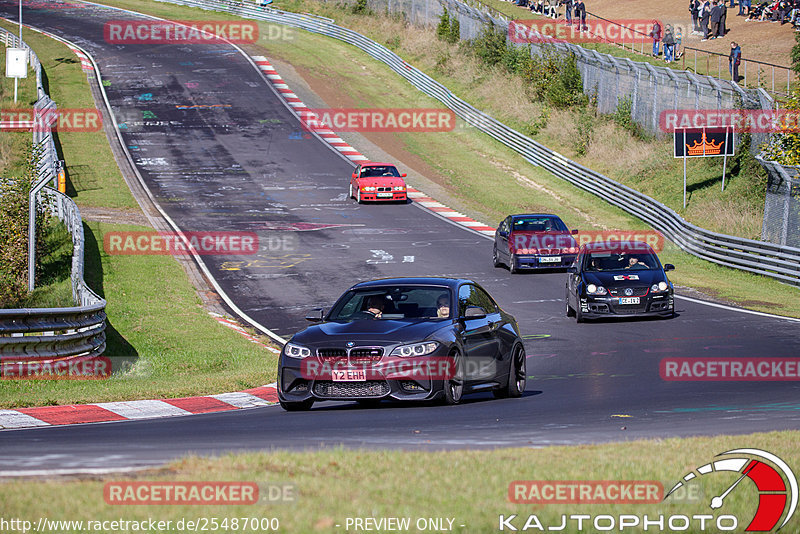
782, 204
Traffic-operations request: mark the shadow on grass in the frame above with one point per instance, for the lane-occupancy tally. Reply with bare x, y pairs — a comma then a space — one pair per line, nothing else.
116, 345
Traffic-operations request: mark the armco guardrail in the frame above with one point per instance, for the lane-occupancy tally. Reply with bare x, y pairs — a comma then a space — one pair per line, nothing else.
54, 332
775, 261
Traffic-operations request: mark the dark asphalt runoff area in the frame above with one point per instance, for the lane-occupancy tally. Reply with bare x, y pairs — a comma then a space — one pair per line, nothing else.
220, 151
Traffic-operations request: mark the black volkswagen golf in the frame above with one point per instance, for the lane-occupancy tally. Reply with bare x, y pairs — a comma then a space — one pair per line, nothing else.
619, 279
404, 339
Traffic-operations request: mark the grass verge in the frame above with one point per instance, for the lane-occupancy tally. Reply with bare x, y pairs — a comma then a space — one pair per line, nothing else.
469, 487
159, 336
499, 181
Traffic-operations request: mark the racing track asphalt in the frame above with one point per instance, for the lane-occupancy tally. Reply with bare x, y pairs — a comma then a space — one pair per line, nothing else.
220, 151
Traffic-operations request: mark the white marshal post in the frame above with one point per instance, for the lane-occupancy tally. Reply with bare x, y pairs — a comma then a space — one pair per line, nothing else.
684, 168
724, 158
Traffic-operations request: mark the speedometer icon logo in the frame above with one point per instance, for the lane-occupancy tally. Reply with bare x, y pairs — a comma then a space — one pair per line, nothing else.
775, 481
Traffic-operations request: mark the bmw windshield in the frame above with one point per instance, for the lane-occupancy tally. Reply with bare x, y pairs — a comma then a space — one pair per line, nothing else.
393, 302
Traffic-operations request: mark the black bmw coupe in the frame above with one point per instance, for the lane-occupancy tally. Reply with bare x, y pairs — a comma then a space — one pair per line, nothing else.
404, 339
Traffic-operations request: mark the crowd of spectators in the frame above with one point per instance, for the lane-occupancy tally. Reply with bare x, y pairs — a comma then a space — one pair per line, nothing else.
782, 11
574, 10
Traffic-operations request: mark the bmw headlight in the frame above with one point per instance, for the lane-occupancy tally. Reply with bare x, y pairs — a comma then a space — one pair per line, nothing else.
659, 287
399, 188
369, 188
296, 351
415, 349
596, 290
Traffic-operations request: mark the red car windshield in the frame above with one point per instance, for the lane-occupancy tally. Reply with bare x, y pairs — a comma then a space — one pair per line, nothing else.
388, 170
538, 224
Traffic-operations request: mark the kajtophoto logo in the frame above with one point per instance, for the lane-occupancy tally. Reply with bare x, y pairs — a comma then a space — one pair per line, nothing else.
775, 482
775, 485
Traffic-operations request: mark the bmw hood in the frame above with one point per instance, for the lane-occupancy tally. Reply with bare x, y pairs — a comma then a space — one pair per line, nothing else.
639, 277
368, 331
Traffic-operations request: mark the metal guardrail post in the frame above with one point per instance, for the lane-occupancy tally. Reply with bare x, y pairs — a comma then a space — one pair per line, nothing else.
52, 332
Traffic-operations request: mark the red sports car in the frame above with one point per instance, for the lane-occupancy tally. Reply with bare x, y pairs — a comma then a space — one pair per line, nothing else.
377, 181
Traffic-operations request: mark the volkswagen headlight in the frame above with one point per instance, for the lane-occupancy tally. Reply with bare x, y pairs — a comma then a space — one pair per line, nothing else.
659, 287
596, 290
415, 349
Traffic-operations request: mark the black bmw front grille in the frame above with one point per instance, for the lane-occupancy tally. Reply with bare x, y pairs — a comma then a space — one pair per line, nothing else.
366, 355
369, 388
332, 355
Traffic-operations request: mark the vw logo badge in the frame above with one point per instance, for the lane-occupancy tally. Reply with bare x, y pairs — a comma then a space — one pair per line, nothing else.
628, 291
350, 344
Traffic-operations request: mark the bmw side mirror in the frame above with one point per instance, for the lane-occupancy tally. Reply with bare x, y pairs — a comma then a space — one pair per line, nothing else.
315, 315
572, 269
575, 232
668, 267
354, 175
474, 312
404, 174
503, 233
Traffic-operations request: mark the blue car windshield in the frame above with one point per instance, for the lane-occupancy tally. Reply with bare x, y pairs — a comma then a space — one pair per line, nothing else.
623, 261
393, 302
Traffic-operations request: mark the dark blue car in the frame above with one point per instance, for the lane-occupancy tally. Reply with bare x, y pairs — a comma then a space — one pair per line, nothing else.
404, 339
534, 241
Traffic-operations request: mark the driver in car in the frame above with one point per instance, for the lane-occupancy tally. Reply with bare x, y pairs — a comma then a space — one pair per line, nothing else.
443, 306
634, 263
375, 306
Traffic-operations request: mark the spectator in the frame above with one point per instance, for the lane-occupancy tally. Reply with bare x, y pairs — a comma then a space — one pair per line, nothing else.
734, 59
568, 11
678, 41
694, 9
669, 44
705, 13
741, 12
714, 17
723, 9
655, 33
794, 10
580, 12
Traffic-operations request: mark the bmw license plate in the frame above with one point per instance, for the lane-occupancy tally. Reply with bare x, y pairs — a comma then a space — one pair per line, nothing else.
349, 375
629, 300
384, 195
550, 259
